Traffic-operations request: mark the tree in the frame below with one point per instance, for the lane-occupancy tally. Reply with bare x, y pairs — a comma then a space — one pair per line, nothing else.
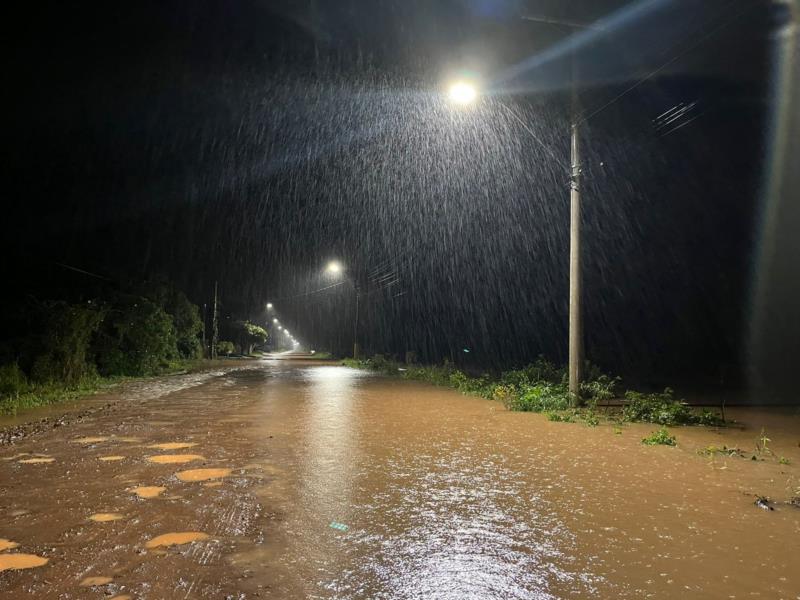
67, 330
248, 335
185, 317
137, 338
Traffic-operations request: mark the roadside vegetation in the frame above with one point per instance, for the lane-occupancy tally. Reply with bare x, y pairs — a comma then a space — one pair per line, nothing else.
542, 387
62, 349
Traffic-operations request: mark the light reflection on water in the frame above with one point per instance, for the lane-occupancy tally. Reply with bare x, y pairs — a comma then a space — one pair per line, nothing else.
429, 515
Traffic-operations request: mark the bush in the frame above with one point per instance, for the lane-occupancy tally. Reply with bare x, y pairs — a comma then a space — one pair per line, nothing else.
185, 317
137, 339
656, 408
661, 437
67, 334
539, 371
226, 348
12, 380
599, 388
539, 398
558, 417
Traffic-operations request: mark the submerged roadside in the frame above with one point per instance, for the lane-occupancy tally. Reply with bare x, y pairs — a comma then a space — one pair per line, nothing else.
54, 405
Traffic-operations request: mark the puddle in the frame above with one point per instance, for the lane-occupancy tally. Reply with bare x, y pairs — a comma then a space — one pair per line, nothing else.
172, 459
173, 445
90, 440
105, 517
16, 456
21, 561
91, 581
176, 539
7, 544
123, 597
18, 512
111, 458
148, 491
128, 440
213, 484
34, 461
202, 474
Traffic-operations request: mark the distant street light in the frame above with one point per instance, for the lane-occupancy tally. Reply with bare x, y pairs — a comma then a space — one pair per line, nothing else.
275, 321
335, 268
269, 305
464, 93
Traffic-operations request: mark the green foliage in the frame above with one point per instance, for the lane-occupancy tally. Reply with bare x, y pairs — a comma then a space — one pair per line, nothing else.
249, 335
12, 380
540, 397
480, 386
591, 419
783, 460
762, 443
560, 417
599, 388
67, 333
225, 348
656, 408
708, 418
660, 437
137, 338
720, 451
540, 371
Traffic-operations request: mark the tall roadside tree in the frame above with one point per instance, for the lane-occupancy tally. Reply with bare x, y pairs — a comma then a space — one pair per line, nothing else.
248, 335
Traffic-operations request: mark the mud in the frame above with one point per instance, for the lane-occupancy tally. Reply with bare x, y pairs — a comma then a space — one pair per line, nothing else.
324, 482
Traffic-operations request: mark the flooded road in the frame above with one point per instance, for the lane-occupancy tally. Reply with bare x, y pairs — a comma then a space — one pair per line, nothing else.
300, 480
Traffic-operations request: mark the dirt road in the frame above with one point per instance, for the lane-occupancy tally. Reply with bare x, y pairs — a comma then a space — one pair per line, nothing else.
302, 480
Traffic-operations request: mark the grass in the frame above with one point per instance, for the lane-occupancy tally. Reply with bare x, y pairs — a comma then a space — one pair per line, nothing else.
542, 387
17, 394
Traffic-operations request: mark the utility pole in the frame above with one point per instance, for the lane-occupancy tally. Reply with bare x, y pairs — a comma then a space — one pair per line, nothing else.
355, 327
205, 318
215, 325
575, 271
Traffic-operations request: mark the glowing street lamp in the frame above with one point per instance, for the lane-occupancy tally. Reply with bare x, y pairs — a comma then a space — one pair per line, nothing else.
335, 268
462, 92
275, 321
269, 305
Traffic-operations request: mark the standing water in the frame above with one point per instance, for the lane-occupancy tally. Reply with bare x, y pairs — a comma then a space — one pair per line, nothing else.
319, 481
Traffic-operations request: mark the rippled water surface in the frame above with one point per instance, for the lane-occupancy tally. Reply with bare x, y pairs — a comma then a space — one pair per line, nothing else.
318, 481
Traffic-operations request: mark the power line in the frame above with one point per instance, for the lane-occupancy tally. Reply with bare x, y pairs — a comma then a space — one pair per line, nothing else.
664, 65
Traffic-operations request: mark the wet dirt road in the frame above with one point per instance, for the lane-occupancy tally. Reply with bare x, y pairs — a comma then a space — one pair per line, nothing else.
293, 480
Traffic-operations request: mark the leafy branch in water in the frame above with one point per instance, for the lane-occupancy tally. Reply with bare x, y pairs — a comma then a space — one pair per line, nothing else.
660, 437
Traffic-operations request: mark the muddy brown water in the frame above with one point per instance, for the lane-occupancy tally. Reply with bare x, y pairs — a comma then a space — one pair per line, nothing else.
318, 481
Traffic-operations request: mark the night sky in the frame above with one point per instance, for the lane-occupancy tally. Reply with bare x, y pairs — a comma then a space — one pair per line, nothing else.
249, 142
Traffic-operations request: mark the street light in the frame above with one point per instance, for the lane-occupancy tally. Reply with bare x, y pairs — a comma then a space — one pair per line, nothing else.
463, 93
275, 321
269, 305
335, 268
